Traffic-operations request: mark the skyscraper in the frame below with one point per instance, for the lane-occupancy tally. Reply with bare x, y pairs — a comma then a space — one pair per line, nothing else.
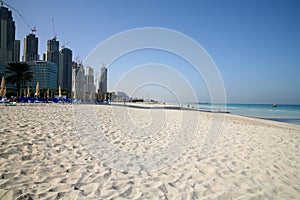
89, 73
75, 69
65, 68
103, 82
90, 88
80, 81
16, 54
30, 52
9, 47
53, 51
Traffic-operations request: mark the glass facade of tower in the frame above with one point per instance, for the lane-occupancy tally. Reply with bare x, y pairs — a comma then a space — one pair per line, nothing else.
45, 73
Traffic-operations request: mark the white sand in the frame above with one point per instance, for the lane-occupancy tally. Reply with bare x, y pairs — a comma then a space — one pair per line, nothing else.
43, 155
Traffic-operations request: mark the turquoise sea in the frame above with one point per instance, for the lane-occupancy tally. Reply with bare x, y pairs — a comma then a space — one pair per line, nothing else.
282, 113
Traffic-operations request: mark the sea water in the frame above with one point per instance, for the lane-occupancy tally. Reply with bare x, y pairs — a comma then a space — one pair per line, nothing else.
283, 113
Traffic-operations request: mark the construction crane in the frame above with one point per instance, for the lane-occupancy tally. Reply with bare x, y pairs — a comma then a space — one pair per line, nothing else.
33, 29
65, 44
55, 35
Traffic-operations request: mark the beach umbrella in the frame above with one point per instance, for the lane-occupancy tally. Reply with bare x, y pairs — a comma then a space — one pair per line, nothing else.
59, 91
3, 82
48, 93
37, 89
74, 90
28, 92
4, 92
2, 88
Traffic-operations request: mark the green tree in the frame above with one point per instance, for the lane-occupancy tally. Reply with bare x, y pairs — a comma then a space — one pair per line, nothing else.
18, 74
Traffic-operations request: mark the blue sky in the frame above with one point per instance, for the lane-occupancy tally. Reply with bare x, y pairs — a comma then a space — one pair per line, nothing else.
254, 44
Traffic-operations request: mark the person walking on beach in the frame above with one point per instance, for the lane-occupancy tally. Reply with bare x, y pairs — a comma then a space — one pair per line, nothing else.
107, 98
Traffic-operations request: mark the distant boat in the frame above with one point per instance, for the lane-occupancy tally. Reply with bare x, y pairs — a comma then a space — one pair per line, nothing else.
274, 105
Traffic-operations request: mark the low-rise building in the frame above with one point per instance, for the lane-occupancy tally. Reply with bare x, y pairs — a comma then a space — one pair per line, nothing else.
45, 73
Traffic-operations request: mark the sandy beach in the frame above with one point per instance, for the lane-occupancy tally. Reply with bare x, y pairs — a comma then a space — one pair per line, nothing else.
44, 154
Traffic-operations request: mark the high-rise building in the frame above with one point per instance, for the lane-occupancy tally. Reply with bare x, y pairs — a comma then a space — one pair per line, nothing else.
45, 73
90, 88
103, 82
9, 47
80, 81
30, 52
16, 55
75, 67
74, 74
44, 57
65, 68
89, 73
53, 51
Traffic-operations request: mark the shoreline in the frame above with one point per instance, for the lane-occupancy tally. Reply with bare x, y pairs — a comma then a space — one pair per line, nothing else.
177, 107
288, 120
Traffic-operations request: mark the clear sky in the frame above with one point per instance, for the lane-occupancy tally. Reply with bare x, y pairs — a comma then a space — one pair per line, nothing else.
254, 44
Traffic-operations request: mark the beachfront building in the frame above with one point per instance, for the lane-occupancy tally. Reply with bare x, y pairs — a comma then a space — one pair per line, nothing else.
120, 96
45, 73
30, 52
9, 47
103, 83
65, 69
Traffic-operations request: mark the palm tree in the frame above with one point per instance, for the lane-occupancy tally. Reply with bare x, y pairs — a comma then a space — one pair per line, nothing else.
18, 74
